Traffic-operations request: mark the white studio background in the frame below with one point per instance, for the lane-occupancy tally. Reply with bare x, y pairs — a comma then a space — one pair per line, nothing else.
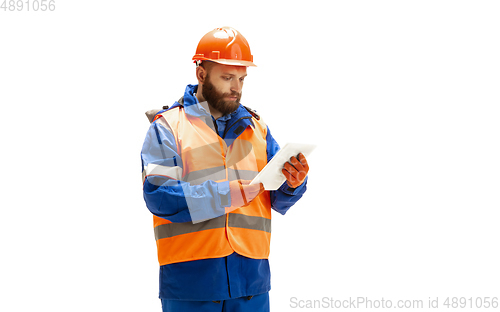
402, 98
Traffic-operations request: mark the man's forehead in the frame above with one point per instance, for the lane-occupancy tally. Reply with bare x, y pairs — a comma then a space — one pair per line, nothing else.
230, 69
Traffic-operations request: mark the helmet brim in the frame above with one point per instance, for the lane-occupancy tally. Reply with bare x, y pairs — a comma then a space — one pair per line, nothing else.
228, 62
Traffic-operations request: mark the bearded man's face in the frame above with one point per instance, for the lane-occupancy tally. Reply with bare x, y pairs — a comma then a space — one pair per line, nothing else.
222, 88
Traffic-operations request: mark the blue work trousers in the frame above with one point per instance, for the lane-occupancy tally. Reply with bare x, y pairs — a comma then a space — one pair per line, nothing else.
257, 303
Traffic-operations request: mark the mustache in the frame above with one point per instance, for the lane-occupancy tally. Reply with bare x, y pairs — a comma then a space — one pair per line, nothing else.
234, 93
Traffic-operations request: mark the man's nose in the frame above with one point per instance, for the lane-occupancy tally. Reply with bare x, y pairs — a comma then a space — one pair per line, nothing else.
236, 85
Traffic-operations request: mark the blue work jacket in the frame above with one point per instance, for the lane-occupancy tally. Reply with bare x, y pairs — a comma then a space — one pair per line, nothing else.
207, 279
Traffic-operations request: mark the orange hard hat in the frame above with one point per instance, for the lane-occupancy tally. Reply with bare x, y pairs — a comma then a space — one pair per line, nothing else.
226, 46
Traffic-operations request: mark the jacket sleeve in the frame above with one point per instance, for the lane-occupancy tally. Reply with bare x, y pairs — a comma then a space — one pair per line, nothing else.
284, 197
165, 194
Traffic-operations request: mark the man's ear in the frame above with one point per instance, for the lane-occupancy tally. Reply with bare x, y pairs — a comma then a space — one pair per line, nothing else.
201, 74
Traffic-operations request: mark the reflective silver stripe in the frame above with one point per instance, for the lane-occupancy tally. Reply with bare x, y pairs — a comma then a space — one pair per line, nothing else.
171, 172
249, 222
235, 220
200, 176
174, 229
241, 174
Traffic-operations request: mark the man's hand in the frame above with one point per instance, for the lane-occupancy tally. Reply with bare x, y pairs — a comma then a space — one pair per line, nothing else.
242, 193
296, 170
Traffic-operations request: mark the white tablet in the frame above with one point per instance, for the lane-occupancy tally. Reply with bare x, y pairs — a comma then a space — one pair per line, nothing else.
271, 176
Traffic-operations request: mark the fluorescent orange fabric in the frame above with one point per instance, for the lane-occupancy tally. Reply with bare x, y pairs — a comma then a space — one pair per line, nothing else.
204, 154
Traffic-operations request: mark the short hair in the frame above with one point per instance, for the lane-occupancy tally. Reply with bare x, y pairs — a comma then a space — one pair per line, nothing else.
207, 65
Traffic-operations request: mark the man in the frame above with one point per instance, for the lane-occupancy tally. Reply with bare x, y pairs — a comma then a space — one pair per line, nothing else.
212, 227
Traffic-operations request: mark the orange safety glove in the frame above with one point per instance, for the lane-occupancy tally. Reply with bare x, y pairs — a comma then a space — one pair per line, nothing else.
296, 170
242, 193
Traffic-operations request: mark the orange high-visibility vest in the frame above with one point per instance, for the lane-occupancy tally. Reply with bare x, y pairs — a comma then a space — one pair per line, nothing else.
205, 156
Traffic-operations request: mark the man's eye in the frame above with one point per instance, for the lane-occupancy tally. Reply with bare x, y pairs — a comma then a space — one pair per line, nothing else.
227, 78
